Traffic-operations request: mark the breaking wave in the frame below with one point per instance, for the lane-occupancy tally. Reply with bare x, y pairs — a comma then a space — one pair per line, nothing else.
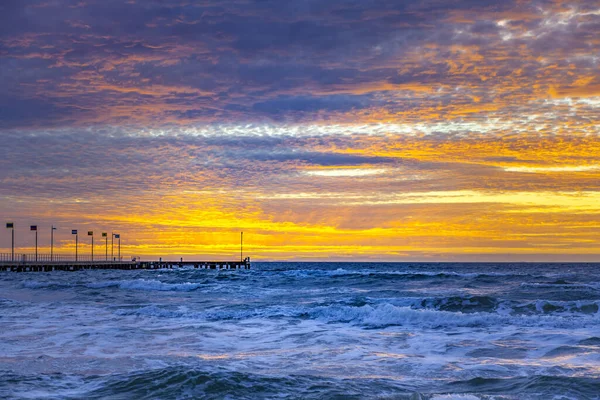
143, 284
377, 316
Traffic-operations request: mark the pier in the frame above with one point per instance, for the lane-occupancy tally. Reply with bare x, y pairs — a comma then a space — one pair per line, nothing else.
46, 263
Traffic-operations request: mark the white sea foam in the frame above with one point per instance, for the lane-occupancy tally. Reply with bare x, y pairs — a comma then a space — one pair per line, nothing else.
388, 314
492, 305
577, 306
143, 284
109, 324
340, 272
373, 316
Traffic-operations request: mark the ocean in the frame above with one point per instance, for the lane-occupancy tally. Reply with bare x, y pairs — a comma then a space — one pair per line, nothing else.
304, 331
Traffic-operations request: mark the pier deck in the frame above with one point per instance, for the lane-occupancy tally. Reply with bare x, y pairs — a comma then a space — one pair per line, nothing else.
25, 265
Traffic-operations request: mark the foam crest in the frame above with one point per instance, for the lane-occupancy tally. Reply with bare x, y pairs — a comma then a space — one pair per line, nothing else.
489, 304
578, 306
388, 315
415, 274
143, 284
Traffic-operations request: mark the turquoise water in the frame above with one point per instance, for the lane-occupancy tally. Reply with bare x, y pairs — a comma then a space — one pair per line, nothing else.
304, 330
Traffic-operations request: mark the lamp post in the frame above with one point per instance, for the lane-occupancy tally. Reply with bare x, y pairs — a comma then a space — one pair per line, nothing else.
91, 233
118, 236
74, 232
104, 235
52, 243
34, 228
242, 247
112, 246
11, 226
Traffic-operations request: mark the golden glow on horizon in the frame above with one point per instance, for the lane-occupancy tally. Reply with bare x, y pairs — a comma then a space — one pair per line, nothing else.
533, 170
349, 214
423, 225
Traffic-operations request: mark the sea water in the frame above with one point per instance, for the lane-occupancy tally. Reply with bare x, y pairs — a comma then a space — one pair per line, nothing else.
304, 330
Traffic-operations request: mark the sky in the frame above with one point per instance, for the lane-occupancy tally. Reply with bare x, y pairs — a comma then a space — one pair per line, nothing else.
434, 130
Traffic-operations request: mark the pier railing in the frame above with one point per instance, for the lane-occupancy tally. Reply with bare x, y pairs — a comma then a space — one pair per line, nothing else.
61, 262
32, 258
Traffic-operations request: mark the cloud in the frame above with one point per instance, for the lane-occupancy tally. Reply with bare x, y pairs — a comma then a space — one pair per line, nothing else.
274, 116
310, 104
242, 61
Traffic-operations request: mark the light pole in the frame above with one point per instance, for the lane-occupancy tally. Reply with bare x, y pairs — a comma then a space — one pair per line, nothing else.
118, 236
91, 233
104, 235
52, 243
74, 232
34, 228
11, 226
112, 246
242, 247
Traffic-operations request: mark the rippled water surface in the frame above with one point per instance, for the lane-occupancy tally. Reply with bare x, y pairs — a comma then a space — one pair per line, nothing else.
304, 330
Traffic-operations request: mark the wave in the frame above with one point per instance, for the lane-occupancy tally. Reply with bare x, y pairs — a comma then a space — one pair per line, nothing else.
562, 285
8, 302
372, 316
387, 314
215, 314
488, 304
464, 304
414, 274
591, 341
341, 272
214, 382
45, 285
532, 387
143, 284
213, 285
573, 307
